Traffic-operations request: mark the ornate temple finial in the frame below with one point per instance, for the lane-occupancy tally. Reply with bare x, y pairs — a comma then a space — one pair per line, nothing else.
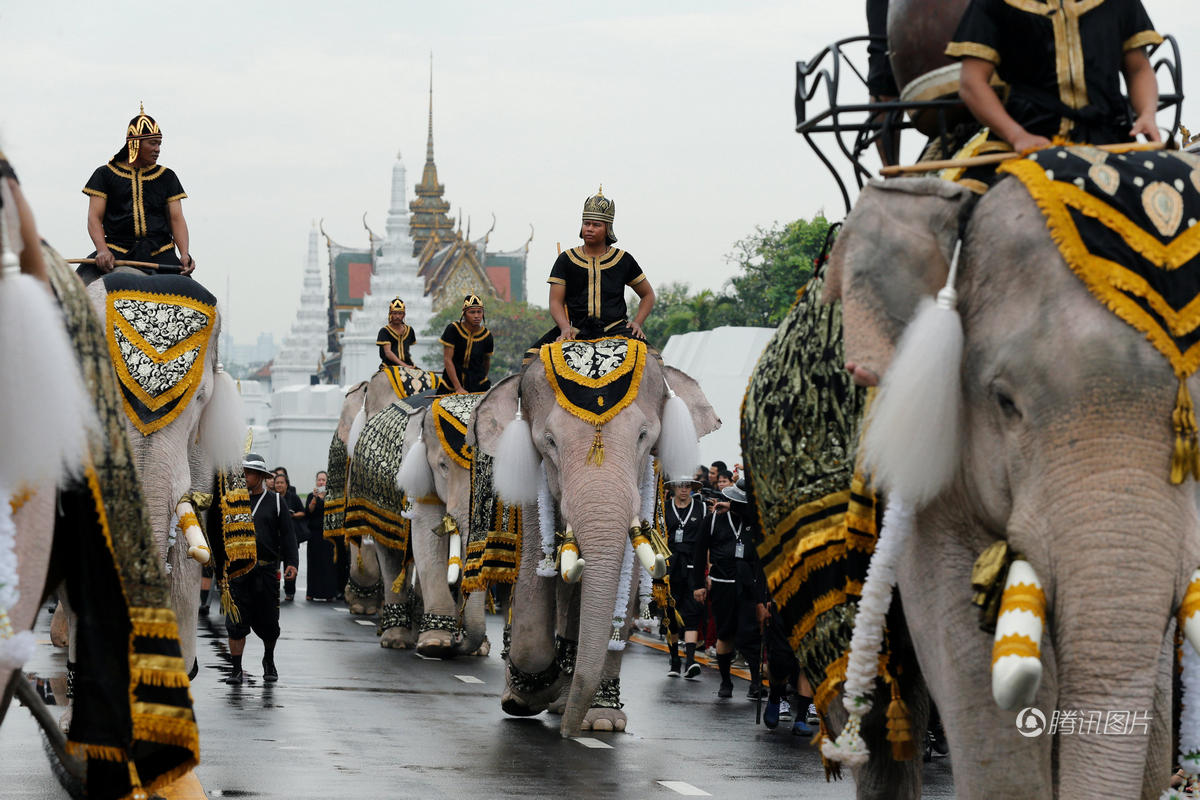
530, 239
429, 141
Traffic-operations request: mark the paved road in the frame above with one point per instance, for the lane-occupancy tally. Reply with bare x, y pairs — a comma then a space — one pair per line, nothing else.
349, 719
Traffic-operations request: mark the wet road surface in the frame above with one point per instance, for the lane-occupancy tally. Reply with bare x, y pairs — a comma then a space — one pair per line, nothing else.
349, 719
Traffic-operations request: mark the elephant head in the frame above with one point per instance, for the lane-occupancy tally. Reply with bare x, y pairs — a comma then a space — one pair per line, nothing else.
594, 476
183, 413
1063, 452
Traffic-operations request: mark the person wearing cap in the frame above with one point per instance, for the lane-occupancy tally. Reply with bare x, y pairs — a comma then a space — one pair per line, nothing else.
726, 546
135, 211
467, 351
395, 339
256, 594
587, 284
686, 517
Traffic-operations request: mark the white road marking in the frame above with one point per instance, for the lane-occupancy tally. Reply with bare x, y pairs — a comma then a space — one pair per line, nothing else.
594, 744
426, 658
468, 679
343, 610
687, 789
289, 747
365, 622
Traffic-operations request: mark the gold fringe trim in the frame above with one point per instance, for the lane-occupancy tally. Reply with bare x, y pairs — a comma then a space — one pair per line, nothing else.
443, 417
20, 498
1024, 597
398, 584
899, 724
825, 602
1185, 460
99, 752
555, 365
228, 607
596, 454
1015, 644
1191, 602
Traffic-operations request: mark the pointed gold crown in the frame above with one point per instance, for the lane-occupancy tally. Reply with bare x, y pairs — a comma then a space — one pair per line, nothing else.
396, 305
472, 301
140, 127
599, 208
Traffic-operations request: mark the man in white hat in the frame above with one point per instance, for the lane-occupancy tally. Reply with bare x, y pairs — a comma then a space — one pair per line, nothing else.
256, 594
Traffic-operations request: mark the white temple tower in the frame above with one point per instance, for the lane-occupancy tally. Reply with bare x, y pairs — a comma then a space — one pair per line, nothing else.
395, 276
300, 356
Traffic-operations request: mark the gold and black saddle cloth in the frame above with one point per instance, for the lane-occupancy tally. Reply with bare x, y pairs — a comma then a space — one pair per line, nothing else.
493, 552
452, 416
373, 502
158, 328
595, 380
408, 381
1126, 226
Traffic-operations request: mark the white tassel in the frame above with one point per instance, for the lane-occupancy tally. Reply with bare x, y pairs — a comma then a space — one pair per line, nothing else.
414, 477
16, 647
863, 664
360, 419
912, 439
545, 505
516, 463
615, 642
678, 442
223, 426
45, 410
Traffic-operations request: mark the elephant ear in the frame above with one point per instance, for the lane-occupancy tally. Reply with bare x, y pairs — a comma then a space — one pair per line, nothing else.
497, 408
703, 416
894, 249
686, 415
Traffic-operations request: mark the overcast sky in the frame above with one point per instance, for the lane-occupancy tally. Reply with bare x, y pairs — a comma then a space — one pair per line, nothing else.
279, 113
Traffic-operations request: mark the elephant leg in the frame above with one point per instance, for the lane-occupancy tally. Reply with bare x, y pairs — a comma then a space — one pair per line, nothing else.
474, 621
185, 599
395, 622
1159, 755
363, 590
606, 714
532, 677
439, 622
567, 638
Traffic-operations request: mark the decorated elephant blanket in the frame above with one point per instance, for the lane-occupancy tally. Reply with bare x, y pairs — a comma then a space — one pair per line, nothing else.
230, 529
451, 418
801, 419
373, 503
1126, 226
132, 719
493, 553
334, 520
158, 328
409, 381
595, 380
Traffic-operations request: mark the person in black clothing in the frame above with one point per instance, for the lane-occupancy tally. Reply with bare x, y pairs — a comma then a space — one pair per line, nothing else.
467, 351
283, 487
134, 208
256, 594
395, 339
322, 572
736, 583
686, 518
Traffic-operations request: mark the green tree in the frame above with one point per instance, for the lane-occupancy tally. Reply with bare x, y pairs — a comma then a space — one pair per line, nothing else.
514, 327
772, 265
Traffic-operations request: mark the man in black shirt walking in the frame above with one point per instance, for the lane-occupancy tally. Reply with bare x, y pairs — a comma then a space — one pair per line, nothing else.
256, 594
686, 519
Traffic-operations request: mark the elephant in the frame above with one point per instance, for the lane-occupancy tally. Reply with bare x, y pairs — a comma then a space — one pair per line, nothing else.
595, 469
183, 414
1062, 454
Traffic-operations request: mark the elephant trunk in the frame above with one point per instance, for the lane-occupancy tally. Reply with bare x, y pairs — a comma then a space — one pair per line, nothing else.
1116, 569
598, 596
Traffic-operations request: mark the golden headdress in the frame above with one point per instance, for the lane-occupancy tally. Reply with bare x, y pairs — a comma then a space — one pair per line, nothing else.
396, 305
140, 127
472, 301
600, 209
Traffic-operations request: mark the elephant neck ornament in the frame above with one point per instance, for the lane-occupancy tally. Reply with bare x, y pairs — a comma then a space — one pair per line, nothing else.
595, 381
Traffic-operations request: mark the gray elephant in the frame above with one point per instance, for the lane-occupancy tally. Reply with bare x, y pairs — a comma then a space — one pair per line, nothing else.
593, 414
183, 414
1063, 454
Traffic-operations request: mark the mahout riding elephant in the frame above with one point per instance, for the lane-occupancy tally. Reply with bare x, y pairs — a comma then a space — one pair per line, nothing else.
1063, 453
435, 476
593, 414
183, 414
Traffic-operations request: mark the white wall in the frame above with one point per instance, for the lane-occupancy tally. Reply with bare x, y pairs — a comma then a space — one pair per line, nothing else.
301, 426
721, 361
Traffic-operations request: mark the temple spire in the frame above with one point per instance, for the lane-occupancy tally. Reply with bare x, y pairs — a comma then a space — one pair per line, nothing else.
429, 140
429, 217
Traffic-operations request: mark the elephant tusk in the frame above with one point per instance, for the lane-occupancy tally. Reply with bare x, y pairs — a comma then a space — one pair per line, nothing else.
654, 563
454, 572
1189, 612
1016, 651
190, 526
570, 564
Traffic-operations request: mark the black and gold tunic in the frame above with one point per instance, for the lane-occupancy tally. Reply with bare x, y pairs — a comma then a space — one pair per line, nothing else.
401, 343
472, 357
1061, 60
595, 287
137, 224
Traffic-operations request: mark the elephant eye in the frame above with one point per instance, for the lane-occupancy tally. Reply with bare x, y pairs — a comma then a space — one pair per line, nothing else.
550, 439
1007, 406
642, 436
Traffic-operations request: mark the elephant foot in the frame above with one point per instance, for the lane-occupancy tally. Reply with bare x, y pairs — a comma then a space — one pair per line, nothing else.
59, 627
436, 644
603, 720
484, 649
558, 704
516, 706
526, 694
396, 638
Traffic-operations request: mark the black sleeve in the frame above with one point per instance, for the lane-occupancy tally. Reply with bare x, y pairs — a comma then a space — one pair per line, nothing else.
289, 549
489, 344
558, 272
381, 339
172, 188
409, 341
978, 33
450, 336
97, 185
1136, 28
633, 271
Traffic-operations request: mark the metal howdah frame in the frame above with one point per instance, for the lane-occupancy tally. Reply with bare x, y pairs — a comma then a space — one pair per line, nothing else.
834, 73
